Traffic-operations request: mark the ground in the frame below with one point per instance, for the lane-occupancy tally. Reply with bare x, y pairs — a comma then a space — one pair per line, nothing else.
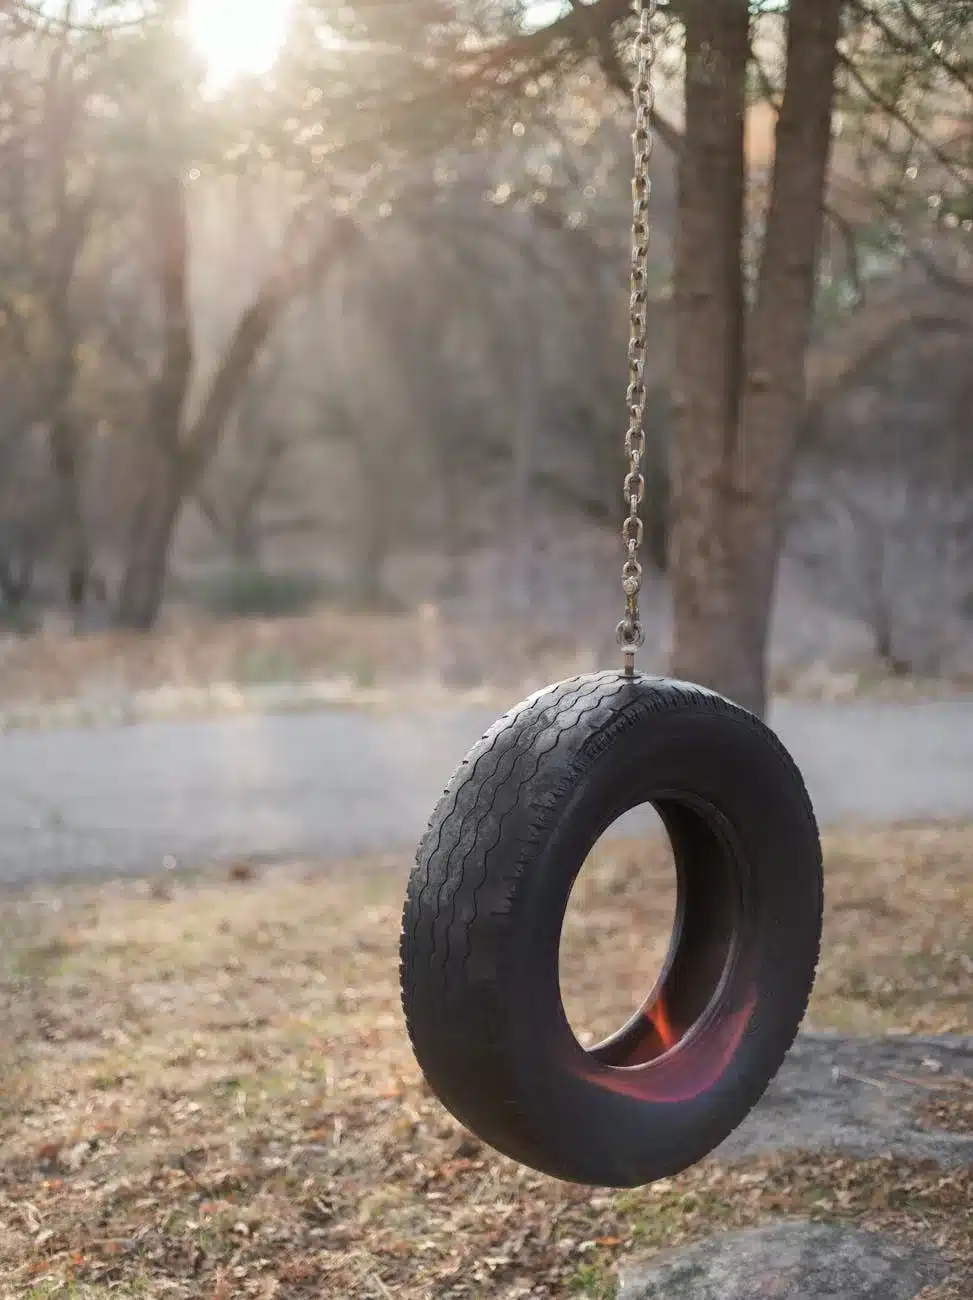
194, 664
208, 1090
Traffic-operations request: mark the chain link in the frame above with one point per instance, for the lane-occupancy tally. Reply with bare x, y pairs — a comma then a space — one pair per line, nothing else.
629, 633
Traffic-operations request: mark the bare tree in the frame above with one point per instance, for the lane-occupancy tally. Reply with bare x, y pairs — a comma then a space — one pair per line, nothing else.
232, 496
884, 506
51, 176
183, 443
897, 553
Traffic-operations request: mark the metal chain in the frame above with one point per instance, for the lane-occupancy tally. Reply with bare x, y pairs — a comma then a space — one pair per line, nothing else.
629, 633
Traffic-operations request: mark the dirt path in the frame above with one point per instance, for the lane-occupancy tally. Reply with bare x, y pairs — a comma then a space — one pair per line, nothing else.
341, 782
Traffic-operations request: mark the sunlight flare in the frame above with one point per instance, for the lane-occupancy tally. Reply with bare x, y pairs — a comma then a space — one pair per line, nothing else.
238, 38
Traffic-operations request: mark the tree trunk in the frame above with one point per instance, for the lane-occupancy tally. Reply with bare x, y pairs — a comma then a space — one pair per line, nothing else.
169, 474
245, 541
367, 581
742, 396
658, 426
152, 532
455, 541
64, 460
525, 428
709, 310
16, 577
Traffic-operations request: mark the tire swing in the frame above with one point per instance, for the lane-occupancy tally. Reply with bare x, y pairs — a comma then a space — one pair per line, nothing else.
494, 872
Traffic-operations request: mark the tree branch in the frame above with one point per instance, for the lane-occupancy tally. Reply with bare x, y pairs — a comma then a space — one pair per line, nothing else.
835, 360
290, 274
607, 57
892, 110
846, 232
778, 328
938, 274
208, 510
35, 15
903, 46
171, 388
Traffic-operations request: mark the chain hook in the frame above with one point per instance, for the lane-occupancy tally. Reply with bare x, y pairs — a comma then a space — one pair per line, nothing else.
629, 633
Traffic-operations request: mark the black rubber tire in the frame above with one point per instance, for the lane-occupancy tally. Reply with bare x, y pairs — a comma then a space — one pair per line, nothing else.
487, 898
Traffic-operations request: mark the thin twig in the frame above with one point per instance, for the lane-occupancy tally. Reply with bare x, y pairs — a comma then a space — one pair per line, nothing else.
894, 111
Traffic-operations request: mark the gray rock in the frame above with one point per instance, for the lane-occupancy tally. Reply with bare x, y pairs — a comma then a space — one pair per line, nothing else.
795, 1260
859, 1097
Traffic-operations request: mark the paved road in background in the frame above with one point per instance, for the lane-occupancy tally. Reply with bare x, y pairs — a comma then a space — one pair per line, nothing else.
341, 782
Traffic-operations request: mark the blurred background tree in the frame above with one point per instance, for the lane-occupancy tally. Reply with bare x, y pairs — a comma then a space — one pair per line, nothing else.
342, 292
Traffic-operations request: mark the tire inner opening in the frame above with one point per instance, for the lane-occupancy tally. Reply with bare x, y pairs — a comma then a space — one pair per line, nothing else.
649, 933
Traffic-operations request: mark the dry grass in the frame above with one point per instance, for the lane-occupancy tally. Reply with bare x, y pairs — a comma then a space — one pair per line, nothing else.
209, 1091
390, 651
197, 652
